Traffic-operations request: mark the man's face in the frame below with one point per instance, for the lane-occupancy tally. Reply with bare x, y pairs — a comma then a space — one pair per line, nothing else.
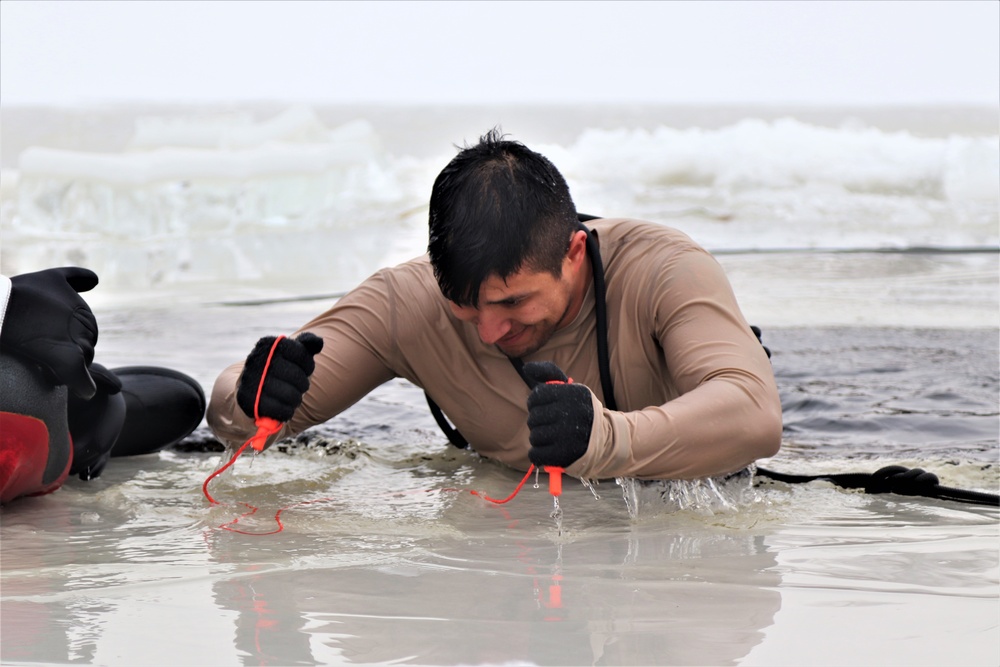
520, 314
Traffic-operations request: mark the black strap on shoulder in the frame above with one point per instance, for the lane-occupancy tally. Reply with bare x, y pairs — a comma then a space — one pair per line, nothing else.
452, 433
601, 311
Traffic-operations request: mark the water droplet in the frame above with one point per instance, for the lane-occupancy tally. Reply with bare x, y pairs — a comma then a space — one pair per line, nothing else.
592, 487
630, 494
557, 514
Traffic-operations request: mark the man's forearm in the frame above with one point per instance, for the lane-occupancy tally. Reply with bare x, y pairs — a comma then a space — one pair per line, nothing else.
718, 428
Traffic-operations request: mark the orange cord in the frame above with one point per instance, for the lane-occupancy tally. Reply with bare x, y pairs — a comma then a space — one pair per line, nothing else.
509, 498
266, 427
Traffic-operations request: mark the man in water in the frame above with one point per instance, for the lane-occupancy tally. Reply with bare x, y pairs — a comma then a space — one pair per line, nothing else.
511, 302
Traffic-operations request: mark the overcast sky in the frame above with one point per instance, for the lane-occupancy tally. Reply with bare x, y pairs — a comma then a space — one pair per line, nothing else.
811, 52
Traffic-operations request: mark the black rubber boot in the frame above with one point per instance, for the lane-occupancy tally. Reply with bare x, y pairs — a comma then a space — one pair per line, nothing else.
163, 407
95, 423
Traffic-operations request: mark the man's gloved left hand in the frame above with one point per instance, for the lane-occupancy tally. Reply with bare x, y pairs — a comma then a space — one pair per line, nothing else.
560, 416
49, 323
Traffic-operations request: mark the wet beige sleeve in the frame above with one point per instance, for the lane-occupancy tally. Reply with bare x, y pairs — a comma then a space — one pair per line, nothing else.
727, 414
357, 337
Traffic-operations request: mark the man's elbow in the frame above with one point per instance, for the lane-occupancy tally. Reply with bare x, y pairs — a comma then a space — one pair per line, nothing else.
767, 436
225, 420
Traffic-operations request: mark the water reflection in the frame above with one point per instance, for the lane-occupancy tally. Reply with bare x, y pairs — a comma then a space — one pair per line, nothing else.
628, 597
33, 626
131, 571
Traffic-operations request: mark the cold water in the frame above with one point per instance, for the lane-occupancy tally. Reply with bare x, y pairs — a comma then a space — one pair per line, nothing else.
863, 242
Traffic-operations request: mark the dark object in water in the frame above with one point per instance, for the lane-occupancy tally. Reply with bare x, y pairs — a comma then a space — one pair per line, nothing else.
892, 479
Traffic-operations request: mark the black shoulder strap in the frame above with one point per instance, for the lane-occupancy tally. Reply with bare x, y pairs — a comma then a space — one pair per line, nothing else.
601, 311
452, 433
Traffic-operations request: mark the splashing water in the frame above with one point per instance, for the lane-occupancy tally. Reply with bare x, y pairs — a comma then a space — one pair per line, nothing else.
630, 495
708, 496
557, 515
592, 487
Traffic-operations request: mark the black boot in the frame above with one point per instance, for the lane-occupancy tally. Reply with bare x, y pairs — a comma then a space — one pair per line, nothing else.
94, 424
163, 407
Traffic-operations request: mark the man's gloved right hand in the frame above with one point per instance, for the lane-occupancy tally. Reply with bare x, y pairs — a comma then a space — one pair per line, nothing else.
560, 416
48, 323
287, 376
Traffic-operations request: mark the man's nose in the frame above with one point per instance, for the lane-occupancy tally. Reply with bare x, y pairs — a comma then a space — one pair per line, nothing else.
491, 327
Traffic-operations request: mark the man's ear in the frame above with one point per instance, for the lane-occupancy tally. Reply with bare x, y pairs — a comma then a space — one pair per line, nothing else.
577, 249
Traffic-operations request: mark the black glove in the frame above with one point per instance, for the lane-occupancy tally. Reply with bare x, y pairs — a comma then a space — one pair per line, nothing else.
48, 323
560, 416
287, 377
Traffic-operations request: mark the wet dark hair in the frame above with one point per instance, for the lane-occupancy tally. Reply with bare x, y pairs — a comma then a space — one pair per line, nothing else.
496, 208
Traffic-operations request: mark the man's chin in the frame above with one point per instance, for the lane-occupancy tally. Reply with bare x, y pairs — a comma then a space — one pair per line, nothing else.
512, 352
521, 350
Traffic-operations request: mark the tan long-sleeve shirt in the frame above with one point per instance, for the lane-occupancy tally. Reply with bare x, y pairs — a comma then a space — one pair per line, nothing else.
695, 392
